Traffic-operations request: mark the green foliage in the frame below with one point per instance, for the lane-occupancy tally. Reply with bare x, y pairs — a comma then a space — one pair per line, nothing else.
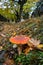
7, 13
11, 12
27, 7
32, 58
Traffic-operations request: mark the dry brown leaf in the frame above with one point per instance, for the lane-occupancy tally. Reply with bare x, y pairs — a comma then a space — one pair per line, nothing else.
33, 42
1, 48
9, 62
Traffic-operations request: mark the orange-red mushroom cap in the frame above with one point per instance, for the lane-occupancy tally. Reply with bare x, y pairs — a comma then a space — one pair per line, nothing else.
19, 39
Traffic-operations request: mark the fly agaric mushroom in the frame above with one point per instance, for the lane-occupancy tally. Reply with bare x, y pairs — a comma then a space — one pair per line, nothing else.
19, 40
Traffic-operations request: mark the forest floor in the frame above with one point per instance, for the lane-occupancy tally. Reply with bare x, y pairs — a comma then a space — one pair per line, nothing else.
6, 31
11, 29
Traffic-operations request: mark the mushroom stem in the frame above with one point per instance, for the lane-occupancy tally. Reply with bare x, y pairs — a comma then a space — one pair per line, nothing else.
19, 49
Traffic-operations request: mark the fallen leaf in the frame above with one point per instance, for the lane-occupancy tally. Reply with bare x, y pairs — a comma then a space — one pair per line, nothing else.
14, 33
34, 42
9, 62
1, 48
28, 49
40, 46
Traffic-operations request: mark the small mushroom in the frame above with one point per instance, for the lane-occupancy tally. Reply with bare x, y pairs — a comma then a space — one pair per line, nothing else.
19, 40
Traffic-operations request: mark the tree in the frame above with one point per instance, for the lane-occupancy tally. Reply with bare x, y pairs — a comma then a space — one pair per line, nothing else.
17, 9
21, 3
25, 8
